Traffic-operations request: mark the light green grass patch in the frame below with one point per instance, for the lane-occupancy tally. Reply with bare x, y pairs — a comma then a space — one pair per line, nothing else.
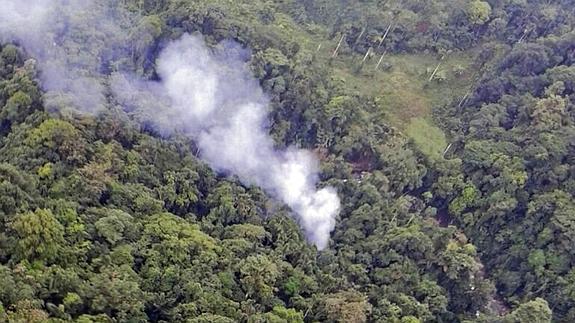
429, 139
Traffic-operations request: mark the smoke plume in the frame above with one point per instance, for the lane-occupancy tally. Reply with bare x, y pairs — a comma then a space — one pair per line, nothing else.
207, 93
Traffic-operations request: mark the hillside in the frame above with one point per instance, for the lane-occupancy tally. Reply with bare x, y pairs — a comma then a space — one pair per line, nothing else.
138, 182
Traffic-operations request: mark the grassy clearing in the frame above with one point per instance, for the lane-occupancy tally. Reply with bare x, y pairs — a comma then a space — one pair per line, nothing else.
404, 92
427, 137
400, 85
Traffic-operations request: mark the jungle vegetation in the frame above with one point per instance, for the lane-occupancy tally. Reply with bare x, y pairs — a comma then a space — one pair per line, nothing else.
446, 126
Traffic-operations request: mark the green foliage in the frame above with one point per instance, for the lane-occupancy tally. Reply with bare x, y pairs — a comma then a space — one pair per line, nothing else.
59, 140
101, 222
347, 306
38, 235
536, 311
257, 276
465, 200
429, 139
279, 314
116, 227
478, 12
512, 143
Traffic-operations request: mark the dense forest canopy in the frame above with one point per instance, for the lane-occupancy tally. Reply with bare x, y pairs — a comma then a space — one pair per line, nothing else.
447, 129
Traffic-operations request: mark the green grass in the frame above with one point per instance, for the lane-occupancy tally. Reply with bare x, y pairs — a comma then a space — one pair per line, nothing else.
428, 138
404, 92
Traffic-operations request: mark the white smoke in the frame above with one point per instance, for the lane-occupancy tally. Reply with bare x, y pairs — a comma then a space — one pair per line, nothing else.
55, 33
209, 94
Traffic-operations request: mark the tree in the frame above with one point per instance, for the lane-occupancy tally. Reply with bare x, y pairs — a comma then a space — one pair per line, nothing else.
478, 12
58, 140
38, 235
115, 291
116, 226
279, 314
347, 306
258, 275
536, 311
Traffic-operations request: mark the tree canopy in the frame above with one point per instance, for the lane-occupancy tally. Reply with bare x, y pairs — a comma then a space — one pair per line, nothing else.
103, 219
